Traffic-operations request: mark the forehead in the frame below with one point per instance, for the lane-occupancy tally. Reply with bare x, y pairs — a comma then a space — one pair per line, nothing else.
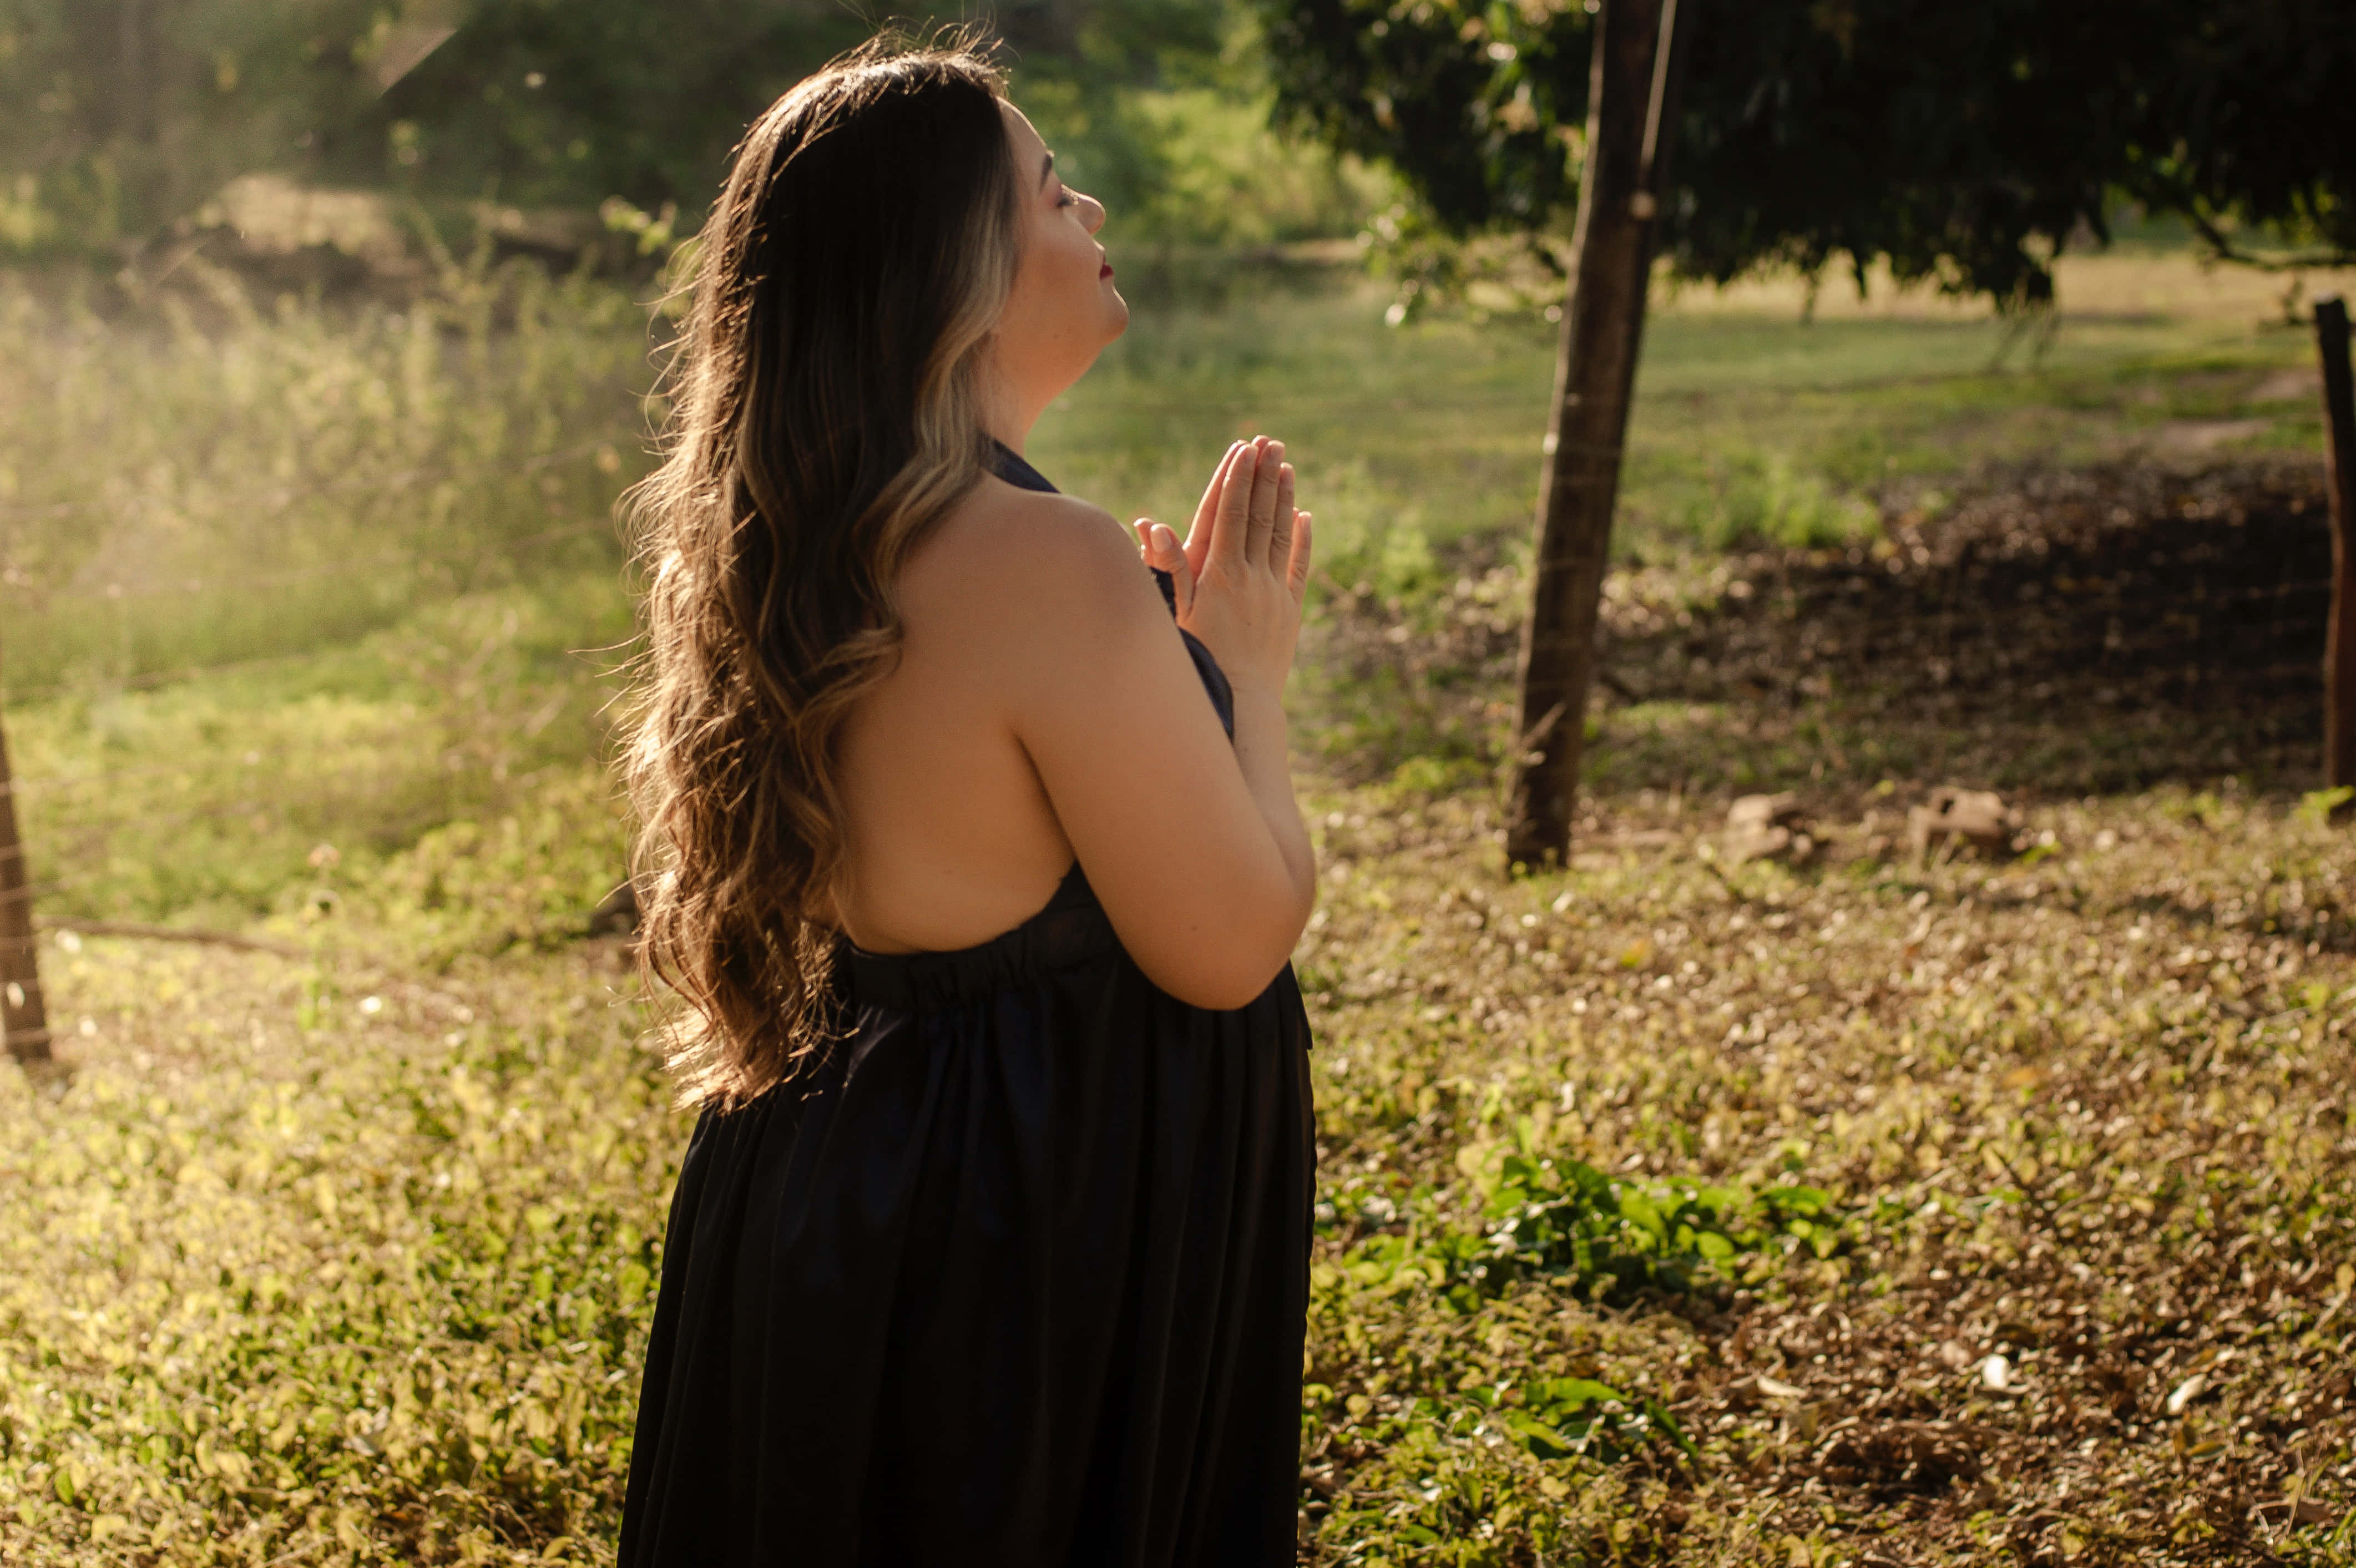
1030, 151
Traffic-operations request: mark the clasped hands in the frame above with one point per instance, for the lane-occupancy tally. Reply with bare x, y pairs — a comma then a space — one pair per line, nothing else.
1243, 570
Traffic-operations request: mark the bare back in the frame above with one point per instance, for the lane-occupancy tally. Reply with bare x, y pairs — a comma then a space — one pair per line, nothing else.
953, 837
1045, 710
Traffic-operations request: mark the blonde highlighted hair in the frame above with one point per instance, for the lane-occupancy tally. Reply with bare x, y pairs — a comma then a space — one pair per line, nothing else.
826, 403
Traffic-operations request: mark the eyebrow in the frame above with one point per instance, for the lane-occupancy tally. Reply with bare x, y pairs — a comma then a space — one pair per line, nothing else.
1046, 169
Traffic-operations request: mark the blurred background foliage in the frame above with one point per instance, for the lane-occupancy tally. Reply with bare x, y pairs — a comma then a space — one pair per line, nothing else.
1961, 146
128, 115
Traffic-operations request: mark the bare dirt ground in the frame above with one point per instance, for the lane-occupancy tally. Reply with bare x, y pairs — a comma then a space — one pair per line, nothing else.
2053, 633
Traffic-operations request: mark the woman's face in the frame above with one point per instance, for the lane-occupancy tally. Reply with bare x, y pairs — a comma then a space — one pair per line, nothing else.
1062, 309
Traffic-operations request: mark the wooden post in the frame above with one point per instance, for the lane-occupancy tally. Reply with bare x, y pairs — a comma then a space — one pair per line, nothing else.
23, 1023
2339, 478
1630, 119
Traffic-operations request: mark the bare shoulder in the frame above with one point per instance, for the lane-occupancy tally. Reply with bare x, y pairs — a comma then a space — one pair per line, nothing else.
1029, 563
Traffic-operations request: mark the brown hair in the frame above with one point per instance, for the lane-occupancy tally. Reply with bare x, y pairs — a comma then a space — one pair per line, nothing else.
825, 414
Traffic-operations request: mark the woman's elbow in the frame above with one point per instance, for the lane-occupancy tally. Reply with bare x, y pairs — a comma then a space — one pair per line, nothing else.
1222, 990
1237, 968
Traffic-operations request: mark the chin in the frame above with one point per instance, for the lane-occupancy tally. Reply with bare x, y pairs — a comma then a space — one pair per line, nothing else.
1115, 313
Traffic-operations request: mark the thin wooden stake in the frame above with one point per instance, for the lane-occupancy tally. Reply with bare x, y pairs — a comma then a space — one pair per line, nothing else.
23, 1022
2339, 447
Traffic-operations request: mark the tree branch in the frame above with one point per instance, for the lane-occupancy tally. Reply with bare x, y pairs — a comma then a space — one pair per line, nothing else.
2220, 245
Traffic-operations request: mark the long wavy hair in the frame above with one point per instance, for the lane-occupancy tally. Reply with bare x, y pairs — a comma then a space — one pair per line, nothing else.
825, 413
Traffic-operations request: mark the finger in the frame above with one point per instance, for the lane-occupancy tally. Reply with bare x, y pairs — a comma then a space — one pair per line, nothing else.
1232, 525
1280, 543
1206, 523
1170, 555
1165, 546
1262, 527
1150, 545
1296, 566
1210, 502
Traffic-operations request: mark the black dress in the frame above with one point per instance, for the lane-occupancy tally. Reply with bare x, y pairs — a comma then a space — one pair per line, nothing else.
1014, 1278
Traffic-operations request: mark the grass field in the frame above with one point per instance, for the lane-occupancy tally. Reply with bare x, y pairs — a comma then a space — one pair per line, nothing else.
1858, 1211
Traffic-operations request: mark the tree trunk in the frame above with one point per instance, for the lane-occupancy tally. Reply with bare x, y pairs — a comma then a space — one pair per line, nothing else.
23, 1022
1632, 110
2339, 476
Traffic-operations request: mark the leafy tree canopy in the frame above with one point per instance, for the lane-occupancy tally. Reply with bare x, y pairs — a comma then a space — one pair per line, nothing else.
1961, 144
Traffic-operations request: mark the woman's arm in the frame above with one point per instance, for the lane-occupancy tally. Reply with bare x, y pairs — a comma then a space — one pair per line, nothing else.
1194, 846
1241, 577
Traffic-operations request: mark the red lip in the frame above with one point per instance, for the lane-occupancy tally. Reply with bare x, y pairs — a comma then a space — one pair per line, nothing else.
1107, 271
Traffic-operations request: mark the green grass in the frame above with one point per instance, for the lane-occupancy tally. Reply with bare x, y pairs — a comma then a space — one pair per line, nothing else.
287, 476
1669, 1211
2048, 1104
216, 800
326, 1264
1749, 420
217, 478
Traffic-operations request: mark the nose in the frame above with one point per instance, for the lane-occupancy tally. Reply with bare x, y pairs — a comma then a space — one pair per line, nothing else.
1092, 213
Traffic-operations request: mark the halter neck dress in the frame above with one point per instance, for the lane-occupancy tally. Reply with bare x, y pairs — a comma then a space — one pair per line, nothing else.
1015, 1277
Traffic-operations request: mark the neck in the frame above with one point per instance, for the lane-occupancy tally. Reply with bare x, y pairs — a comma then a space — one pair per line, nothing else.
1009, 412
1008, 427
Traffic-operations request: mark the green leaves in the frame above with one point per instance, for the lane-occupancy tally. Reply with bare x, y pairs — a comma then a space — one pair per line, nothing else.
1554, 1217
1606, 1240
2316, 806
1558, 1417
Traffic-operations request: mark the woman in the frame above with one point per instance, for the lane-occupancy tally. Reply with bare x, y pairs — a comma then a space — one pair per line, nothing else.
990, 1245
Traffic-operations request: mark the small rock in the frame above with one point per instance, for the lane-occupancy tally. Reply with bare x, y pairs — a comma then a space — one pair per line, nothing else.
1964, 819
1954, 1355
2185, 1392
1996, 1373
